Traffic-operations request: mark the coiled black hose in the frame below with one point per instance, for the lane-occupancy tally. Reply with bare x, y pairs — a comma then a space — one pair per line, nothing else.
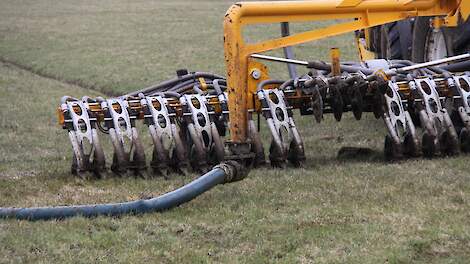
223, 173
170, 83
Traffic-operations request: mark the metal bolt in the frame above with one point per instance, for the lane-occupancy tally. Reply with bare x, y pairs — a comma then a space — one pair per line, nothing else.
256, 74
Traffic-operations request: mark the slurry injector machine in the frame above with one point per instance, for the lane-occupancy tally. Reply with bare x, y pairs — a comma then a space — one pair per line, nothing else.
198, 120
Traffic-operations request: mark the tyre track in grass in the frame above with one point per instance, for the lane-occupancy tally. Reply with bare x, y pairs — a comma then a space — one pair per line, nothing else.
40, 73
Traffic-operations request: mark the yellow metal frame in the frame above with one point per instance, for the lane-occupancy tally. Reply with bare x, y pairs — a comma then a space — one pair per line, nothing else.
462, 14
362, 14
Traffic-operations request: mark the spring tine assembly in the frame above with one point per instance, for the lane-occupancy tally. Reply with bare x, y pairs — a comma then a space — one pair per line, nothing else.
128, 150
256, 144
462, 85
439, 132
335, 97
426, 111
402, 137
286, 142
169, 150
222, 119
206, 144
317, 104
88, 155
356, 94
315, 88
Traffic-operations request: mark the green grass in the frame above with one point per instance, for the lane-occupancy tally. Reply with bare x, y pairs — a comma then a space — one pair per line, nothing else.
340, 211
117, 46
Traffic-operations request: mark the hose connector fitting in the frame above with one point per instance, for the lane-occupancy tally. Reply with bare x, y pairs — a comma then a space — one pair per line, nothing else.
234, 171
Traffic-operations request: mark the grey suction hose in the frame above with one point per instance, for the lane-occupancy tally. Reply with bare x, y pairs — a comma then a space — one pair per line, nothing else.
229, 171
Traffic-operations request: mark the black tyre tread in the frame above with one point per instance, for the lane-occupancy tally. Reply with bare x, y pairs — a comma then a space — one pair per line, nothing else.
462, 39
397, 37
375, 33
394, 41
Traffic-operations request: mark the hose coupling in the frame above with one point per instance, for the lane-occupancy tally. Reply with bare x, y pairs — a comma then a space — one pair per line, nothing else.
234, 171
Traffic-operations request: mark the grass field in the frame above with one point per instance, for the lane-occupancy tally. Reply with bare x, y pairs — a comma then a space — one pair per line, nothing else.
359, 210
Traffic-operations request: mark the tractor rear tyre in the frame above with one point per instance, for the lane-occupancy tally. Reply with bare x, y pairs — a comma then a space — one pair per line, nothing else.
429, 43
395, 40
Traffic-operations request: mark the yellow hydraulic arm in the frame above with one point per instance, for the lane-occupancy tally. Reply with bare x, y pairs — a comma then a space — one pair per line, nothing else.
360, 14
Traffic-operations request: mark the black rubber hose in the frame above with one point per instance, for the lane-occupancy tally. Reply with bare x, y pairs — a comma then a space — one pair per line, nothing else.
189, 83
268, 82
169, 83
184, 89
198, 90
190, 87
320, 65
286, 84
164, 94
223, 173
217, 87
177, 87
457, 67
